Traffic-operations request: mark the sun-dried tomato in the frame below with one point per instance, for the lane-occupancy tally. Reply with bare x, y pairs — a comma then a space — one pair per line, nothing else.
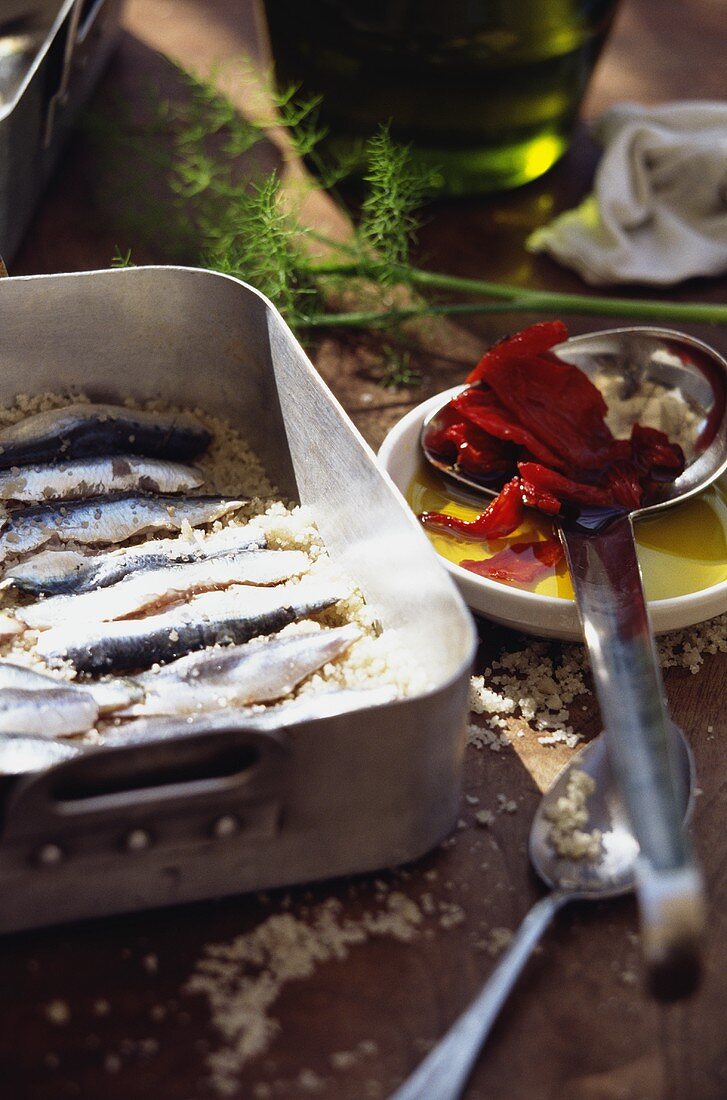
501, 518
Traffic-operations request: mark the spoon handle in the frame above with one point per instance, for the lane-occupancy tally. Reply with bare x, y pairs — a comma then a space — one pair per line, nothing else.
611, 604
446, 1069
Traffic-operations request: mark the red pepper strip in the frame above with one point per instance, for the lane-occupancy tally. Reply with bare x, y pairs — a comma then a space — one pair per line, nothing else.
440, 438
501, 518
655, 454
554, 485
471, 450
530, 341
481, 456
445, 443
482, 408
522, 563
559, 405
624, 485
533, 497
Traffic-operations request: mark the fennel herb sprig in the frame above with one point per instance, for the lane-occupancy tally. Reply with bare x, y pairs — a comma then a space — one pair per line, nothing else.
247, 227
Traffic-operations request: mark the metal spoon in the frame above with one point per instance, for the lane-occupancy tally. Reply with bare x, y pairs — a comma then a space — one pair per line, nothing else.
445, 1071
646, 365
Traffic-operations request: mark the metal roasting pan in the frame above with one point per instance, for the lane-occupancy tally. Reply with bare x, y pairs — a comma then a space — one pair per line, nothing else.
41, 95
223, 808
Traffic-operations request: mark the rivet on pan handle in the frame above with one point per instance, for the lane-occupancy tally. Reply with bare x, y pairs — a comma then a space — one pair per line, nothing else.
211, 771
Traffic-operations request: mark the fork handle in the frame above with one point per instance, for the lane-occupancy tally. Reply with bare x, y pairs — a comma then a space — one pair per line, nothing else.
446, 1069
611, 604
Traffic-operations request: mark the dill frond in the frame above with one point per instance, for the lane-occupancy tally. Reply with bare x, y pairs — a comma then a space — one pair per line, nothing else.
253, 239
122, 259
299, 115
397, 188
399, 371
228, 216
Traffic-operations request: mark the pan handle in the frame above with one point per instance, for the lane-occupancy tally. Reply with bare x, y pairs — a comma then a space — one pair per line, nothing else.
164, 786
81, 18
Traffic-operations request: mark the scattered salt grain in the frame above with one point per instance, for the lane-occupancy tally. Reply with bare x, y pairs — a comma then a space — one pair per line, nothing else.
343, 1059
533, 688
452, 915
150, 963
309, 1081
496, 941
568, 817
57, 1013
506, 805
243, 979
112, 1063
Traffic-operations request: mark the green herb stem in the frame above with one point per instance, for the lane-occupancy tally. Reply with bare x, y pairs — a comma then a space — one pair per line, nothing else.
531, 302
515, 299
382, 318
550, 301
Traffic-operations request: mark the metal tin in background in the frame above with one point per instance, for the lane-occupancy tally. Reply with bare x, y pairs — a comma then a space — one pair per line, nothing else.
51, 55
221, 809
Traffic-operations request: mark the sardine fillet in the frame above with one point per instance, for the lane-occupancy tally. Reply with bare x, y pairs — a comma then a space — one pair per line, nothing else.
215, 618
257, 672
56, 712
59, 572
108, 695
152, 590
97, 477
112, 519
79, 431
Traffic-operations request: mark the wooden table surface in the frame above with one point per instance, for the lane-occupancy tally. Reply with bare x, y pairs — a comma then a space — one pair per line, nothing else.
579, 1026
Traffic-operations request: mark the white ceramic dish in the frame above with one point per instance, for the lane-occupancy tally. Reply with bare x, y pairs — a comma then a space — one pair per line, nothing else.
547, 616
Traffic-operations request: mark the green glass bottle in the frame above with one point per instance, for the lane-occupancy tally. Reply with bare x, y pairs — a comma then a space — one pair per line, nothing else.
486, 91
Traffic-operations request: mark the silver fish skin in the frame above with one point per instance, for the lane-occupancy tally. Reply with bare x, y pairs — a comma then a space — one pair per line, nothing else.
109, 695
94, 477
104, 520
21, 754
256, 672
214, 618
85, 430
55, 712
57, 572
143, 592
290, 712
45, 572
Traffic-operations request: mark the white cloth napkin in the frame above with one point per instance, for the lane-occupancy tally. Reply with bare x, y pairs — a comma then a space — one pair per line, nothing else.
658, 213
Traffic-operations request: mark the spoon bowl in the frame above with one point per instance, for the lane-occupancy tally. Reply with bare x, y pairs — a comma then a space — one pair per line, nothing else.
640, 368
613, 873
